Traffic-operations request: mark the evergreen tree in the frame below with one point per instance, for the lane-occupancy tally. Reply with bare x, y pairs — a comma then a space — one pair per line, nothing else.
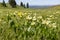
4, 4
21, 4
12, 3
27, 5
24, 6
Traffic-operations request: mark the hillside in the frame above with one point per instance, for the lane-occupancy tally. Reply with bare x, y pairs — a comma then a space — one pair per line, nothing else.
29, 24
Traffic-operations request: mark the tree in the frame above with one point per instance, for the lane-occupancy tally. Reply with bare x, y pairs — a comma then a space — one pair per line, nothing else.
4, 4
21, 4
24, 6
27, 5
12, 3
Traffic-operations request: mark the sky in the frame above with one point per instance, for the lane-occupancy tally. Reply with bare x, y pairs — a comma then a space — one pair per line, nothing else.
37, 2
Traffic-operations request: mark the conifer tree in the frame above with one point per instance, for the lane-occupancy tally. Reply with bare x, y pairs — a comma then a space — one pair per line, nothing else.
21, 4
24, 6
27, 5
12, 3
4, 4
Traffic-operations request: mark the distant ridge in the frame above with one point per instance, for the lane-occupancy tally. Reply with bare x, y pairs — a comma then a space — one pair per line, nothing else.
55, 7
44, 6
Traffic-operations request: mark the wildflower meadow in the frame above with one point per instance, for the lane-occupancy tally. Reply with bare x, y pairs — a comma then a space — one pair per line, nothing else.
30, 24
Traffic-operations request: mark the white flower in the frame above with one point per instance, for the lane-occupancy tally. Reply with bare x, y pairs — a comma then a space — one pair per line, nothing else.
34, 18
34, 14
48, 22
58, 12
25, 13
14, 13
29, 17
48, 18
50, 25
29, 28
33, 23
51, 15
54, 25
7, 14
55, 17
0, 20
37, 20
43, 21
4, 22
40, 17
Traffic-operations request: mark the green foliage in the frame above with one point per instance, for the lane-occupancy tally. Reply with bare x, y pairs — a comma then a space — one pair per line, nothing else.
21, 4
12, 3
4, 4
27, 5
14, 27
24, 6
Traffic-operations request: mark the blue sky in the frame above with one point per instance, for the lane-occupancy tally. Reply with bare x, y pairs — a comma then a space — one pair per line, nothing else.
38, 2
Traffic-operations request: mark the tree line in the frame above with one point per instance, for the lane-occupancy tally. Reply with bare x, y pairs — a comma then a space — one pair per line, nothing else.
14, 4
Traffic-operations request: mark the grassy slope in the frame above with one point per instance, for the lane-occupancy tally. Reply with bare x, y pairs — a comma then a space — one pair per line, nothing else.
43, 12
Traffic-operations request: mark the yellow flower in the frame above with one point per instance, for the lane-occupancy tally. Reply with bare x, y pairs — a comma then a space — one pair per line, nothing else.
20, 14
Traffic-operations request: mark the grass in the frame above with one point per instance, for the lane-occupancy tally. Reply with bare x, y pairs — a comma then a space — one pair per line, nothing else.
30, 24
